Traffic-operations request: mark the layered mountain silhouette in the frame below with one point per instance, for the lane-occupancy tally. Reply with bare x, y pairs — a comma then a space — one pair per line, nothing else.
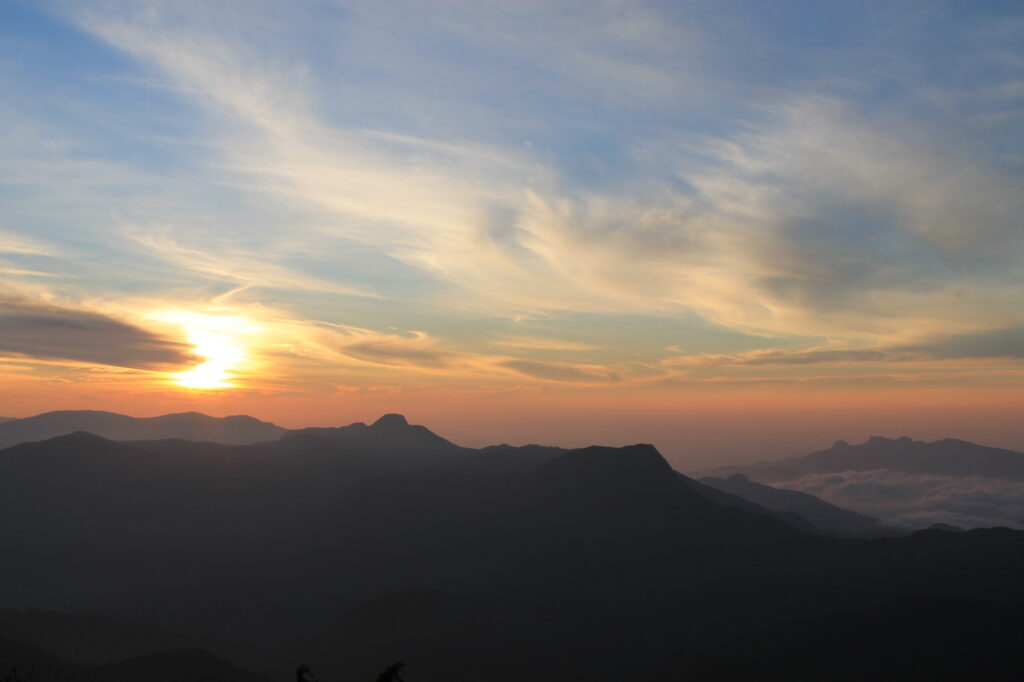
728, 499
818, 513
391, 433
186, 425
355, 547
948, 457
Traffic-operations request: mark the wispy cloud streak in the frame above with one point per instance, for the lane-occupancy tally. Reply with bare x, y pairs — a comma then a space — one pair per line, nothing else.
453, 168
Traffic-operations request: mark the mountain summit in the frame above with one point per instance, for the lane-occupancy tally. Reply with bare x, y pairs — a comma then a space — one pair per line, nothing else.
391, 433
390, 421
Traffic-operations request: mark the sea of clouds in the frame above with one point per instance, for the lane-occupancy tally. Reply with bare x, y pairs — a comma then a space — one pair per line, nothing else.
920, 500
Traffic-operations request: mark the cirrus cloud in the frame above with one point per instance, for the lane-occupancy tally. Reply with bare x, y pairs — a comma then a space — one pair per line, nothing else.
550, 371
457, 168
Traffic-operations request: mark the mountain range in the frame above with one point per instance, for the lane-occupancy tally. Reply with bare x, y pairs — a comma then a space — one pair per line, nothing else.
236, 430
948, 457
905, 483
355, 547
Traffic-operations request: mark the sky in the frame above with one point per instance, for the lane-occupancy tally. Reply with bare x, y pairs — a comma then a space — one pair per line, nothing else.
733, 229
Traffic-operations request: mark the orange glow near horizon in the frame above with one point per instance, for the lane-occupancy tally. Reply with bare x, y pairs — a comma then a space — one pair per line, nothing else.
694, 427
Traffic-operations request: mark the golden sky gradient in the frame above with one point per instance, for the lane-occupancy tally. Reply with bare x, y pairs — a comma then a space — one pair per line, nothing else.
732, 230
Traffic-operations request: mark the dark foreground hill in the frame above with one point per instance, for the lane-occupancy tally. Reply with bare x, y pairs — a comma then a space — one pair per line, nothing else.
236, 430
195, 665
87, 639
353, 548
911, 640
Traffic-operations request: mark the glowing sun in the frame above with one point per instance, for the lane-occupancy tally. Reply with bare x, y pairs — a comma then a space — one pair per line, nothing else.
221, 357
220, 340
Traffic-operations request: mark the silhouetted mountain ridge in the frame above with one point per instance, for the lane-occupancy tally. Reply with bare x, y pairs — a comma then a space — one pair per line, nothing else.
391, 431
625, 471
947, 457
725, 499
354, 547
238, 429
818, 513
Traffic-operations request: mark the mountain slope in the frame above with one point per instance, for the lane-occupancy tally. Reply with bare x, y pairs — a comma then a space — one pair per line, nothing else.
523, 575
601, 564
818, 513
727, 499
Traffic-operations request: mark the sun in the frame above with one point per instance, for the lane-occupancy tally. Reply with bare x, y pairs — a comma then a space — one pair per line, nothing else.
221, 357
221, 341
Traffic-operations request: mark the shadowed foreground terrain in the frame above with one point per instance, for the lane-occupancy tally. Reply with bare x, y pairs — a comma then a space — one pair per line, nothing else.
31, 662
355, 547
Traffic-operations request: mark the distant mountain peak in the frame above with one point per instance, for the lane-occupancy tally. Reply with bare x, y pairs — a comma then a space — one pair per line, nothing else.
882, 440
72, 413
946, 527
243, 418
390, 421
947, 457
81, 436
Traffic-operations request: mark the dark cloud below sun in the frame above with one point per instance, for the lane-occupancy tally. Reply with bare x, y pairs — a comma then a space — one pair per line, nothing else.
44, 331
